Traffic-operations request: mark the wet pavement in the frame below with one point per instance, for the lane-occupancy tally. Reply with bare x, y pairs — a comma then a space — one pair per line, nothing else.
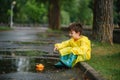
12, 40
23, 68
24, 47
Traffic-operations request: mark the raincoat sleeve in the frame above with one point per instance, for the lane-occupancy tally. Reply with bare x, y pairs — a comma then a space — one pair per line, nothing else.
63, 44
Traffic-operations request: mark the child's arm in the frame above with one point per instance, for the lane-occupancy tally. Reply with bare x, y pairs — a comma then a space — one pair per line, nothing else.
62, 45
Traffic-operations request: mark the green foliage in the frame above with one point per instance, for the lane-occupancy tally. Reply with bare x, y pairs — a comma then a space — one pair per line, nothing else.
78, 10
70, 7
65, 17
36, 11
4, 28
85, 13
4, 7
117, 12
33, 12
31, 53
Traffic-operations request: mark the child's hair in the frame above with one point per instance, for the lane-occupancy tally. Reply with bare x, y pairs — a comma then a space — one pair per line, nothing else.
77, 27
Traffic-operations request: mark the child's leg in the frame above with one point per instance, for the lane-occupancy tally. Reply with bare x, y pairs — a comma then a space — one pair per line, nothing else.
64, 53
59, 64
69, 62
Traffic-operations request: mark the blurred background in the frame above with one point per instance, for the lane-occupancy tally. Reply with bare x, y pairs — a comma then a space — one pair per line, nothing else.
37, 11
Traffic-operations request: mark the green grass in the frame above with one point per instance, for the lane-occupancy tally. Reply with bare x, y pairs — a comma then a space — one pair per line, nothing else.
42, 42
106, 60
30, 53
2, 28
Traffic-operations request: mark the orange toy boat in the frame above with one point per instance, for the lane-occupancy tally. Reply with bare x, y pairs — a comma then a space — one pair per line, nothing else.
39, 67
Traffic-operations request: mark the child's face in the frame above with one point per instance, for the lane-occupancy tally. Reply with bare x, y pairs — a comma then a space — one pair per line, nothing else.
74, 35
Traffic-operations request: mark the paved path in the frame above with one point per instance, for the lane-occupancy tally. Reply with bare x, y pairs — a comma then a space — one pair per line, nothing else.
25, 39
11, 40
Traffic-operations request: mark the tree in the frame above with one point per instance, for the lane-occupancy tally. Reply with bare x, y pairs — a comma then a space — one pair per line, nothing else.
117, 12
4, 11
103, 21
54, 14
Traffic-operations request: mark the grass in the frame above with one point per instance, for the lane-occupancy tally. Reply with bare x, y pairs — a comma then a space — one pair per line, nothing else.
41, 42
2, 28
31, 53
106, 60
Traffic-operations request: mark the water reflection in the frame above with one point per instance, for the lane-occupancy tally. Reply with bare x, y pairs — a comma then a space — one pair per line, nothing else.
22, 64
19, 64
7, 65
23, 68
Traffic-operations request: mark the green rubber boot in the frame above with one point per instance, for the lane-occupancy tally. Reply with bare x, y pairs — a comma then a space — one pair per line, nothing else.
69, 61
59, 64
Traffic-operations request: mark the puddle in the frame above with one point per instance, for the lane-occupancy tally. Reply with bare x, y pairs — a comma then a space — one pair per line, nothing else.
24, 68
22, 61
23, 64
11, 68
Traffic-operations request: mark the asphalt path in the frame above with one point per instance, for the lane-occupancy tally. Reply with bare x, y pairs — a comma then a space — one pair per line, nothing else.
9, 39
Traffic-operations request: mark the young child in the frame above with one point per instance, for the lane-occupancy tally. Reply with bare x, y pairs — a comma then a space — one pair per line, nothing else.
74, 50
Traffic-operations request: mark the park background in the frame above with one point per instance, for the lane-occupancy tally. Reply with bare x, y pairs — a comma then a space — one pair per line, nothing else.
57, 14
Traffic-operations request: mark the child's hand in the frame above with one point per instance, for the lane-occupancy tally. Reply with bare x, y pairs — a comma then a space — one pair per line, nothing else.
55, 48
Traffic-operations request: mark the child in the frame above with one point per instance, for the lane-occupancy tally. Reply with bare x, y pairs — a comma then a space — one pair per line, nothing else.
74, 50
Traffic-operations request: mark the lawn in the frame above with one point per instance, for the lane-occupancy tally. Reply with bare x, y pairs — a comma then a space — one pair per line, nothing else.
106, 60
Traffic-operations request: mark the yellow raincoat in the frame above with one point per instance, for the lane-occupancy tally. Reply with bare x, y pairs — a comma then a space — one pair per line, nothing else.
81, 48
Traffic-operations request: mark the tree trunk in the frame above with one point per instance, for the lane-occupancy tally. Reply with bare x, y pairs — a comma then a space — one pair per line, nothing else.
103, 21
54, 14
